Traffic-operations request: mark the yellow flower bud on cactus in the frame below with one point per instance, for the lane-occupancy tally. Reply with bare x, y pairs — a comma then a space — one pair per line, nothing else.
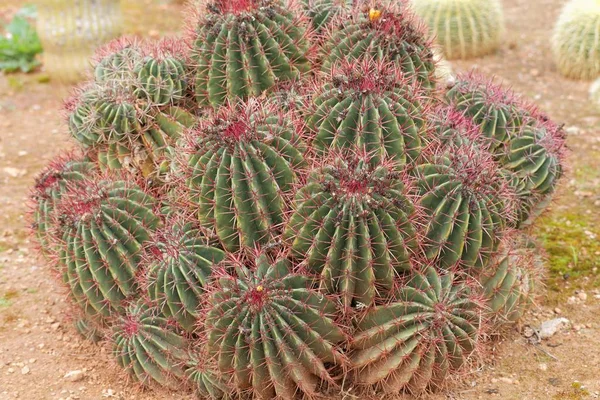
374, 14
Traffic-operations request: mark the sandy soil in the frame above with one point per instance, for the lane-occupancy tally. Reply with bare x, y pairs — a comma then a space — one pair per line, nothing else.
38, 345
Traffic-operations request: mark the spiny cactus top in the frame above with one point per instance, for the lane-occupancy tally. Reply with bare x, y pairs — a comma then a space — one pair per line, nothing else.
353, 226
180, 264
106, 223
463, 28
244, 47
575, 40
466, 203
149, 347
241, 165
414, 342
386, 34
271, 332
368, 105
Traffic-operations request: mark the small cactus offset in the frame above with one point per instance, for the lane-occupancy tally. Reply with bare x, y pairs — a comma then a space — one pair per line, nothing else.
241, 165
244, 47
296, 202
180, 264
105, 224
575, 40
149, 347
367, 105
463, 28
415, 341
270, 332
353, 226
389, 34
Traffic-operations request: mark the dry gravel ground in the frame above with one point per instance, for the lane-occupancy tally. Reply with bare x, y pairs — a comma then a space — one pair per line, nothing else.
38, 346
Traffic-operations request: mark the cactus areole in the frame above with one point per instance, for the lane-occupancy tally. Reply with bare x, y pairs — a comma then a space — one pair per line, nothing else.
290, 206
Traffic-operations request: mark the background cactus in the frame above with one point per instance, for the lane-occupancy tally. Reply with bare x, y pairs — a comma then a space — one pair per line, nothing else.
415, 341
149, 347
244, 47
270, 332
575, 40
463, 28
71, 31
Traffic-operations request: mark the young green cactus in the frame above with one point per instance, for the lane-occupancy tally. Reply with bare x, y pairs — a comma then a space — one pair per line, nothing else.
575, 40
241, 165
50, 185
270, 332
149, 347
352, 225
367, 105
106, 223
244, 47
466, 204
463, 28
417, 340
387, 34
180, 264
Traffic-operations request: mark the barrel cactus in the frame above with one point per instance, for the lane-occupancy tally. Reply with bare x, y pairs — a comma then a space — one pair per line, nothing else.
271, 332
353, 226
414, 342
575, 40
367, 105
386, 34
241, 165
62, 173
289, 204
243, 48
463, 28
149, 347
179, 266
106, 223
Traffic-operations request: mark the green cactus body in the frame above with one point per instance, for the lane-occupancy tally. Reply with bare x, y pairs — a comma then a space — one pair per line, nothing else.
323, 13
387, 36
575, 40
492, 108
117, 68
180, 266
162, 81
367, 106
463, 28
149, 347
352, 225
106, 226
416, 341
508, 287
241, 167
207, 381
270, 332
466, 206
50, 185
243, 48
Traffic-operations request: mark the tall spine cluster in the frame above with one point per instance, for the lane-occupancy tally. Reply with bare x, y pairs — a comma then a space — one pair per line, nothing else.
285, 208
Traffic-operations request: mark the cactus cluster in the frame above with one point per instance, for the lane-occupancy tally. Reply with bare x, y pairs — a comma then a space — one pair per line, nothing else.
277, 210
575, 40
463, 28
